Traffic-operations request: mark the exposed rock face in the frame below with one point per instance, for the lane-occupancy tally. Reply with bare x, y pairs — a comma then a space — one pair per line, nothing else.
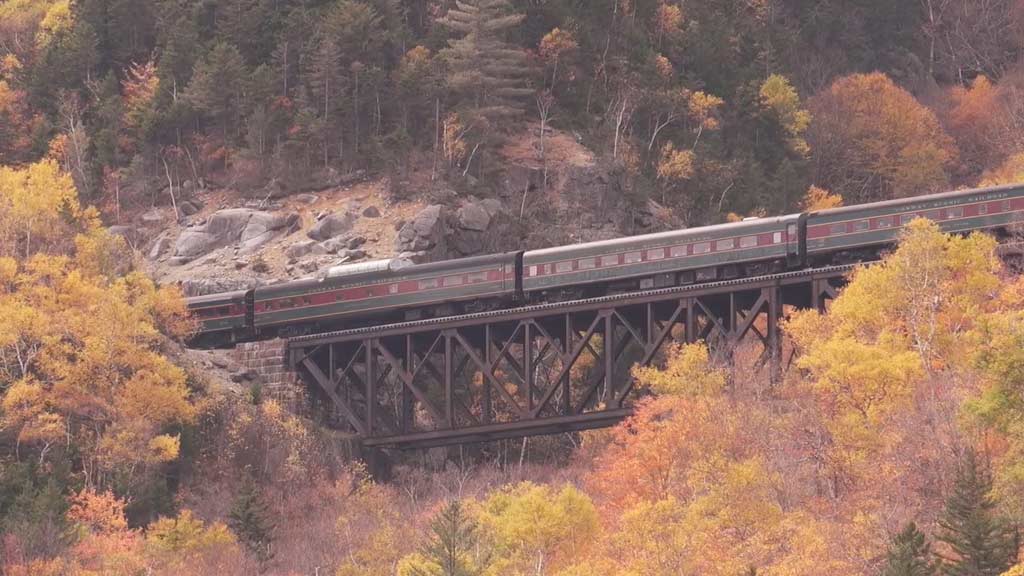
333, 225
249, 228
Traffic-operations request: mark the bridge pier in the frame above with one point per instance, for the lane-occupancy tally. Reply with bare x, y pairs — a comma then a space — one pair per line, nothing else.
538, 369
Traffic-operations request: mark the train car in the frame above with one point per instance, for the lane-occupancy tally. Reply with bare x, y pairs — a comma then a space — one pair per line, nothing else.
858, 232
224, 317
391, 289
751, 247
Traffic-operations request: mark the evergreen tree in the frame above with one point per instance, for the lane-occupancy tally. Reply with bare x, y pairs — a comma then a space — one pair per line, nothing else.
909, 554
250, 520
217, 89
982, 543
488, 72
454, 546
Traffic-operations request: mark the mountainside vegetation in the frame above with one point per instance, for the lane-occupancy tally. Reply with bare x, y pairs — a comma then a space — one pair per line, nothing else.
893, 445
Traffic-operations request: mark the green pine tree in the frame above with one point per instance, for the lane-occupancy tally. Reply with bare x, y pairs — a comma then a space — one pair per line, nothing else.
251, 521
982, 543
487, 71
909, 554
454, 546
218, 87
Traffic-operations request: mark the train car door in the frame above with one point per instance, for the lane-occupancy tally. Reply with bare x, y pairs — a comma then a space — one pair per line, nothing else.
794, 235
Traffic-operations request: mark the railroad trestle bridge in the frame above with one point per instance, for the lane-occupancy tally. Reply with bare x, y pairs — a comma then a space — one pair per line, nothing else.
540, 369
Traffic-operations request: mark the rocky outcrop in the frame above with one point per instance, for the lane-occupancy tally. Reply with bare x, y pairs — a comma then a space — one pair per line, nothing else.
436, 233
424, 236
250, 229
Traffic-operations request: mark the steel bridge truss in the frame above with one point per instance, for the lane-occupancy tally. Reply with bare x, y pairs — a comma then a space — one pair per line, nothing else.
539, 369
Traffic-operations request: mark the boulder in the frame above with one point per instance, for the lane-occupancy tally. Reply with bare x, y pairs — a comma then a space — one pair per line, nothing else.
333, 245
371, 212
492, 205
474, 216
468, 242
426, 232
332, 225
300, 249
426, 222
350, 255
355, 242
160, 245
187, 208
307, 198
250, 228
262, 227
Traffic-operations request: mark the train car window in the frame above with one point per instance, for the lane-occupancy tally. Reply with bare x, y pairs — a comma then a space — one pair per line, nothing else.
482, 276
677, 251
727, 244
563, 266
656, 254
587, 263
338, 296
777, 238
748, 241
839, 228
906, 218
982, 208
428, 284
861, 225
956, 212
533, 271
884, 222
453, 281
632, 257
1006, 205
611, 260
392, 288
702, 248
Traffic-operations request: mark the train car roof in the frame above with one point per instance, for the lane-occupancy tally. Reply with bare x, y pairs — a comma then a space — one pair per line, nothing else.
911, 199
215, 298
667, 235
456, 263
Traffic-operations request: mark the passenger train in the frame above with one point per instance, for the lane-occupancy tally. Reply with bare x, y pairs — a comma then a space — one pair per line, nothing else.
356, 295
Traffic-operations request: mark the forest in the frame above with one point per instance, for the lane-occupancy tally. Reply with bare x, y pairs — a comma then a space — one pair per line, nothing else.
894, 444
710, 108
